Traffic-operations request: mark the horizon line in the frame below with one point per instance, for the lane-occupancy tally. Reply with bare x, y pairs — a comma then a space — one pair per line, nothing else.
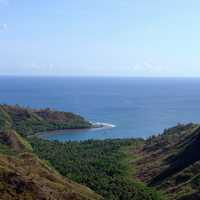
91, 76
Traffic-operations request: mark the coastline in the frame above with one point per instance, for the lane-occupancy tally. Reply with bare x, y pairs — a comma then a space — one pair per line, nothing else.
95, 127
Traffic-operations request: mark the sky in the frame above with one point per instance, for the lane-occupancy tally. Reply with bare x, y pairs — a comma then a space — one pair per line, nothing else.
100, 37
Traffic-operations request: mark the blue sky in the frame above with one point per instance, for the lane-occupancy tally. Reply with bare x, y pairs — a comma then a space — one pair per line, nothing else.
100, 37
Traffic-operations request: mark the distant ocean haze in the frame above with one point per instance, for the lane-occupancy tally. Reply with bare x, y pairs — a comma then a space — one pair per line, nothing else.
138, 107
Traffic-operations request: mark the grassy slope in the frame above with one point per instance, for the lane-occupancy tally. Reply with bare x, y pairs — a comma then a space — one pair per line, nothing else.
171, 162
24, 176
28, 121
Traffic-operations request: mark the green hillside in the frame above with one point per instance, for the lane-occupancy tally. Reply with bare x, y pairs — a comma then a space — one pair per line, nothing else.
171, 162
27, 121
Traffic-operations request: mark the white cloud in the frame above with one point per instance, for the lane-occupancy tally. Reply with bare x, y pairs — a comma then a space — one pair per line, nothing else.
149, 67
3, 27
42, 68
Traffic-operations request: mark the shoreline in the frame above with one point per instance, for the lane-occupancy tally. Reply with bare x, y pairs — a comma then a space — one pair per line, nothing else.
95, 126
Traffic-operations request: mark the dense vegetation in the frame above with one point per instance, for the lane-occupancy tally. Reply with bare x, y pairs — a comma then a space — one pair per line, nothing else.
101, 165
27, 121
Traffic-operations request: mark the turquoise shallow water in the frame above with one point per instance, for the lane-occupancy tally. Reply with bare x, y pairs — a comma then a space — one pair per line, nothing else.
139, 107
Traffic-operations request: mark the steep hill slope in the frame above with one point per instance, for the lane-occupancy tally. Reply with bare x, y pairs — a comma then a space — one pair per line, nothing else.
23, 176
171, 162
28, 121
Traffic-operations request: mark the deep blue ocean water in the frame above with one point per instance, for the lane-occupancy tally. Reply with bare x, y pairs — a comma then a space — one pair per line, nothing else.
139, 107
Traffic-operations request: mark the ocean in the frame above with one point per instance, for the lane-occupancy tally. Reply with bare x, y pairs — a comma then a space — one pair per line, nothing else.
137, 107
